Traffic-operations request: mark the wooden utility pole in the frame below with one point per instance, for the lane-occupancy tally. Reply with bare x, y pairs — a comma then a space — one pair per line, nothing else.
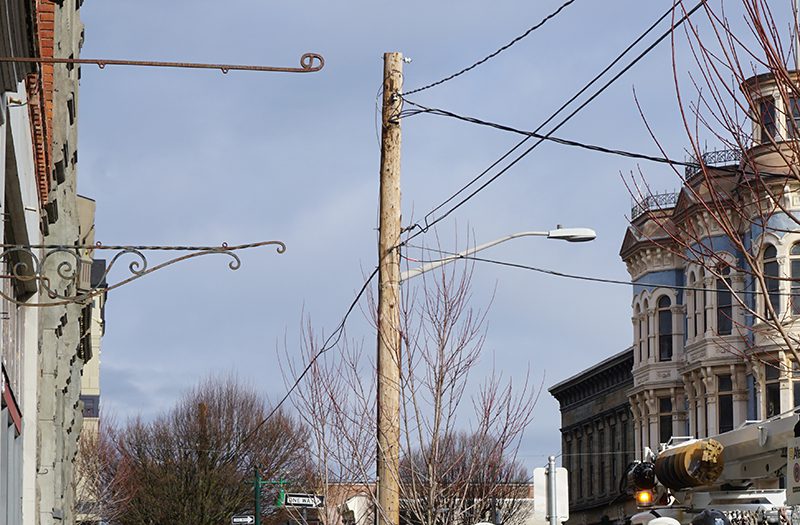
388, 457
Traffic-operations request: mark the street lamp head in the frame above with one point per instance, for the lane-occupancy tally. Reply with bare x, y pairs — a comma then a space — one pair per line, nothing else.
572, 234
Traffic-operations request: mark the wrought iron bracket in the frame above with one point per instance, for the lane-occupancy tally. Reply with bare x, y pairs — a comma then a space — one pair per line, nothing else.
60, 271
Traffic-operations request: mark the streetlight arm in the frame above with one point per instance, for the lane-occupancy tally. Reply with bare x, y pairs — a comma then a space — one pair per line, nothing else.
565, 234
408, 274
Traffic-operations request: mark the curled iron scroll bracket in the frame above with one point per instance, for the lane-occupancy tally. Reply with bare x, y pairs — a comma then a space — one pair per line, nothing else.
56, 269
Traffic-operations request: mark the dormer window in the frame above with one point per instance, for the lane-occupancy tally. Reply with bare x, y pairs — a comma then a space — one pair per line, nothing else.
766, 119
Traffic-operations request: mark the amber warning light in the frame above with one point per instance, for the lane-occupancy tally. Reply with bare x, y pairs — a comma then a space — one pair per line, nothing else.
644, 498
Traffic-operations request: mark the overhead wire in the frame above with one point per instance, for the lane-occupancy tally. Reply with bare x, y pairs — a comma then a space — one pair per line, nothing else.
556, 273
698, 164
330, 342
639, 57
495, 53
565, 142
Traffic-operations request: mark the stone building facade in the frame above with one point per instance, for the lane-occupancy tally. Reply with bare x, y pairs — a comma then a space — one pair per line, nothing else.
706, 353
597, 439
42, 346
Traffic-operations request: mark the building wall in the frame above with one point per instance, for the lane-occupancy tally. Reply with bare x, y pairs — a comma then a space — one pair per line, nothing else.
20, 206
597, 440
703, 362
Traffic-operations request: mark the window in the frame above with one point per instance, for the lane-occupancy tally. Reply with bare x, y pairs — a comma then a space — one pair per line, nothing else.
646, 332
641, 332
664, 329
580, 468
725, 390
91, 405
724, 306
794, 298
601, 438
766, 119
700, 307
793, 122
773, 390
614, 451
590, 461
795, 383
771, 278
623, 443
691, 319
569, 461
664, 419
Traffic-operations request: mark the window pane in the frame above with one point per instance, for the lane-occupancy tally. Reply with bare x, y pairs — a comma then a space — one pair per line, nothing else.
772, 372
725, 413
664, 404
724, 307
725, 383
794, 122
665, 428
773, 285
796, 392
773, 399
794, 299
664, 335
766, 112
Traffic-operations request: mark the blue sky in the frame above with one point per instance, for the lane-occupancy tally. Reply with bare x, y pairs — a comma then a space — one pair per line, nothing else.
197, 157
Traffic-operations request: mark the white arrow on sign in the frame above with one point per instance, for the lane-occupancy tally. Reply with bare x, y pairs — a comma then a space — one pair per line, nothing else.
243, 519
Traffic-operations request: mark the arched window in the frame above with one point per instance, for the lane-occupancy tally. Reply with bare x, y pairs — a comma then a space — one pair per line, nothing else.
700, 306
794, 298
645, 324
639, 335
724, 306
771, 279
691, 304
664, 329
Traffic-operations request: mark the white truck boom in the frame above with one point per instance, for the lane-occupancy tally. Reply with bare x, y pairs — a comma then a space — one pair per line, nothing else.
742, 473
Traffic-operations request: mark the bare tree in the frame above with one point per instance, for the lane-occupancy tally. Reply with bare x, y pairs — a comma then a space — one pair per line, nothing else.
196, 463
102, 477
459, 438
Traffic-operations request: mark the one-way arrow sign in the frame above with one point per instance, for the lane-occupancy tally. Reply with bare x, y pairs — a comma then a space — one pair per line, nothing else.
247, 520
304, 500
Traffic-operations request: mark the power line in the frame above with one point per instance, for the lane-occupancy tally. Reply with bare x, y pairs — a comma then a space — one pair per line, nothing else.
329, 343
605, 86
494, 54
573, 143
533, 134
559, 110
578, 277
